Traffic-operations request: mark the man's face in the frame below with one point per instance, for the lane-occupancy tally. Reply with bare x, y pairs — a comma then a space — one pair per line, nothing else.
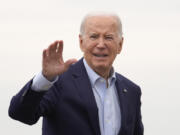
100, 42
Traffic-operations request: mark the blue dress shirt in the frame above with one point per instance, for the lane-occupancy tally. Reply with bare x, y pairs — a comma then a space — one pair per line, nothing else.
107, 101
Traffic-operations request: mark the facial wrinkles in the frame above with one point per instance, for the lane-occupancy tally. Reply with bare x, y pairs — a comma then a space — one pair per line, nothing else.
108, 24
101, 46
105, 30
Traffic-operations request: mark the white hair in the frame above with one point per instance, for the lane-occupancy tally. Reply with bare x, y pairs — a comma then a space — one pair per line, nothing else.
93, 14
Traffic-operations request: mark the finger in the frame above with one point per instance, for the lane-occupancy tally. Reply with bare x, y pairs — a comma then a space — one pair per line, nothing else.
44, 58
60, 47
52, 48
44, 54
58, 44
49, 49
70, 62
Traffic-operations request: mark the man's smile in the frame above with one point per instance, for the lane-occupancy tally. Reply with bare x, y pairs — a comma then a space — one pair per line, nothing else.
100, 55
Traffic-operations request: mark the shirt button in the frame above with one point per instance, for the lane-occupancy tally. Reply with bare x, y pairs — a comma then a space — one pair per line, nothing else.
102, 80
107, 121
46, 87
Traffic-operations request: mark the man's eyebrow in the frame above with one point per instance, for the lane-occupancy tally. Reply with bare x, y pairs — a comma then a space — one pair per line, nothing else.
92, 33
109, 34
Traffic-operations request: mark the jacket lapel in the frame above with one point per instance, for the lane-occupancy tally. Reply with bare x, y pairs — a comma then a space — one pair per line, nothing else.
84, 89
122, 92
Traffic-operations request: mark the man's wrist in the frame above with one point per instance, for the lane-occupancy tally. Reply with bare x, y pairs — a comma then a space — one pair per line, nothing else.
41, 83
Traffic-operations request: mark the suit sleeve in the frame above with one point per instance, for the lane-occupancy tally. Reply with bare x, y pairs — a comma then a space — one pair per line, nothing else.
28, 105
139, 128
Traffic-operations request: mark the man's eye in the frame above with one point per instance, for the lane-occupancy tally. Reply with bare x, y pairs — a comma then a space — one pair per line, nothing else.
109, 38
93, 36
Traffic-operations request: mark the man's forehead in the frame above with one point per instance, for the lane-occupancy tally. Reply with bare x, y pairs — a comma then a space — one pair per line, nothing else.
101, 23
101, 20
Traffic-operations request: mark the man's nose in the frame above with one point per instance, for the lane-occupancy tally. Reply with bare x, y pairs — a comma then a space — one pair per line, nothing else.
101, 43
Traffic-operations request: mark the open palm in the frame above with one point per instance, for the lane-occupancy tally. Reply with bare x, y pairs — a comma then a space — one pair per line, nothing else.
53, 63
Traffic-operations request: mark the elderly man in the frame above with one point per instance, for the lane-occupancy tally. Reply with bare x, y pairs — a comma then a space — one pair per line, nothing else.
84, 97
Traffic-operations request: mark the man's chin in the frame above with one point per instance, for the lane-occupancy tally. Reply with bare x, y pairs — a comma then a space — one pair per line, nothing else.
102, 66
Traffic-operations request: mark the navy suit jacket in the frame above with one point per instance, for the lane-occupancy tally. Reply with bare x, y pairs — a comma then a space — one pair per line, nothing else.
69, 107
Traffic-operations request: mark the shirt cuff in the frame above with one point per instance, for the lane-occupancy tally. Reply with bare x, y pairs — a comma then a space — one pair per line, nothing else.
40, 83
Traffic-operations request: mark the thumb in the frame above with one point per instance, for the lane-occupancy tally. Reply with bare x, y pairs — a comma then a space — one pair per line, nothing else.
70, 62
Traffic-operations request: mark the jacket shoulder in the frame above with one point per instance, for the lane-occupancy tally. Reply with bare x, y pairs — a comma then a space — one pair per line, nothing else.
128, 83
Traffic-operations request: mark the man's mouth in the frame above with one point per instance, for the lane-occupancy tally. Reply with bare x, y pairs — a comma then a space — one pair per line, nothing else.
100, 55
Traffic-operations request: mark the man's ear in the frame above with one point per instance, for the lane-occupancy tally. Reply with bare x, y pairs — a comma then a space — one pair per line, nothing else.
81, 42
120, 45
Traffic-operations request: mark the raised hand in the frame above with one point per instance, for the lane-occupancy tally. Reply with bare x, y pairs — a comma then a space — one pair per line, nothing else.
53, 63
